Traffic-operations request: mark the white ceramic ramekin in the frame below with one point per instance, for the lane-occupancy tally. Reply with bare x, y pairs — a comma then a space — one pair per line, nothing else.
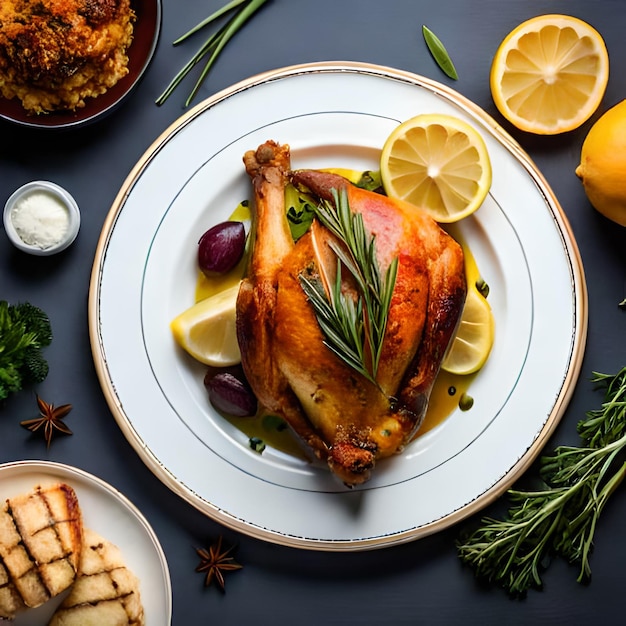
62, 196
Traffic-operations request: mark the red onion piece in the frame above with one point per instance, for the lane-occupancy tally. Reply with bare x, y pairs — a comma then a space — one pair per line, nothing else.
231, 395
221, 247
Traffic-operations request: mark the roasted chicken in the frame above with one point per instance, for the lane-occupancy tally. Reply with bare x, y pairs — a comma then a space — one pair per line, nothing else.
342, 416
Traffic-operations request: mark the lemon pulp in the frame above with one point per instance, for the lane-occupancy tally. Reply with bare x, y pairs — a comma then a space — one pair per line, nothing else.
549, 74
438, 163
207, 330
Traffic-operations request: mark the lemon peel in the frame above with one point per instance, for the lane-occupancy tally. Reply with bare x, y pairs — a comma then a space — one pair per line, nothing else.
603, 163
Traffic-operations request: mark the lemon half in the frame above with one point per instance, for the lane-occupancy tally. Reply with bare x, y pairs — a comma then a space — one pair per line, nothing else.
207, 330
439, 163
549, 74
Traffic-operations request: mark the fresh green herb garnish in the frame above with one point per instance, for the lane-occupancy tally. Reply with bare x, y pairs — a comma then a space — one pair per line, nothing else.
354, 329
24, 330
257, 444
274, 422
301, 206
371, 181
439, 52
213, 45
300, 211
561, 518
482, 287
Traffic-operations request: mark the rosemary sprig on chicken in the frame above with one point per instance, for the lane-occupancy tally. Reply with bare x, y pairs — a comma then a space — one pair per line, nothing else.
354, 329
562, 518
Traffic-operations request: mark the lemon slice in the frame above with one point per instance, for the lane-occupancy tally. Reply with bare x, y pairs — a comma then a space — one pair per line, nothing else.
472, 343
549, 74
207, 330
438, 163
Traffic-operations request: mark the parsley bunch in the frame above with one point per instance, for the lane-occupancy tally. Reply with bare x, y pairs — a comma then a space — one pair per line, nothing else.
24, 330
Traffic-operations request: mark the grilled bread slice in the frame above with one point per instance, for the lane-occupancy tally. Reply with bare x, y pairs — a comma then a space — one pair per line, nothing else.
40, 546
106, 593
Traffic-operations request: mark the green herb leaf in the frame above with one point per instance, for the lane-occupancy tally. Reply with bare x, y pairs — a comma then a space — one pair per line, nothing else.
257, 444
561, 518
354, 329
300, 211
483, 287
371, 181
274, 422
439, 53
341, 323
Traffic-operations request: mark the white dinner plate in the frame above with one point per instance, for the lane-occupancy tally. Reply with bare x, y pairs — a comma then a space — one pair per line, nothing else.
192, 177
109, 513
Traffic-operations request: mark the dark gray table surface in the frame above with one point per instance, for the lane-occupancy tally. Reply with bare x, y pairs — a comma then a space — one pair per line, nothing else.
421, 582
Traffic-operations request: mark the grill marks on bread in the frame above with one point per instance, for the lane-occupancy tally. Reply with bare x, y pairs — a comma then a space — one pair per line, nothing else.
105, 592
45, 550
40, 546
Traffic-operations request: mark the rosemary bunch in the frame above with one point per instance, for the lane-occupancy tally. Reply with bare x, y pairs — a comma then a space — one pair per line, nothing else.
213, 45
354, 329
562, 518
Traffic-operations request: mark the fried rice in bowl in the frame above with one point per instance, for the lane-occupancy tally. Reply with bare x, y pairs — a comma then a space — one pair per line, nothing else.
56, 54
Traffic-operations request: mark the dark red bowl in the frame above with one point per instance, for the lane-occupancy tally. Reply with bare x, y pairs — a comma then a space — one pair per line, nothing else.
140, 53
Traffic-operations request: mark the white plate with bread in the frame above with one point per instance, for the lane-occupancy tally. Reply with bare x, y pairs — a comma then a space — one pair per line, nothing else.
71, 545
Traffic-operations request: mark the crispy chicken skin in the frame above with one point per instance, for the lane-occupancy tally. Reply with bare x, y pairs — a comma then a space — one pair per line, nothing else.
344, 418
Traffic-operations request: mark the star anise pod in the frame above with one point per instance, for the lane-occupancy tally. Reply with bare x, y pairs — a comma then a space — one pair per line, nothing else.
214, 562
50, 420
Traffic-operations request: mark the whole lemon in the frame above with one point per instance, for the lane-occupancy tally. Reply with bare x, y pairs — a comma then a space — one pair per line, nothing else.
602, 168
